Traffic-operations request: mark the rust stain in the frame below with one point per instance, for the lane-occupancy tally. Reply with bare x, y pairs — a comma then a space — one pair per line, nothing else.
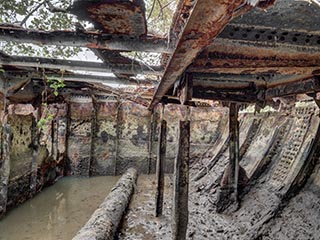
114, 17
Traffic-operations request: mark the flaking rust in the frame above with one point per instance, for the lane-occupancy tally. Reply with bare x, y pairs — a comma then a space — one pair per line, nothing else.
113, 16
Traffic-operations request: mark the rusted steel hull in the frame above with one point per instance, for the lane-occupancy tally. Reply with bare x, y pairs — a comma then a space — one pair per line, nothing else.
207, 20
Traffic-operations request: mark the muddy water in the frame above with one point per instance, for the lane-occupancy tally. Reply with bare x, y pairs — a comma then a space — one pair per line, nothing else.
58, 212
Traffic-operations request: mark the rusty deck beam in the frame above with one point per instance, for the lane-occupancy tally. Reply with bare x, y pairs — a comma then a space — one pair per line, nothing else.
87, 39
311, 85
207, 20
18, 76
161, 157
234, 57
180, 210
49, 63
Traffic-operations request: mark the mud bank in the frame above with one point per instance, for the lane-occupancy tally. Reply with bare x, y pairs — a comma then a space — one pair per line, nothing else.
280, 154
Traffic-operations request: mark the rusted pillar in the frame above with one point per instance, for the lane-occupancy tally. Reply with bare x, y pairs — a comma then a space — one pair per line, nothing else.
181, 183
234, 150
161, 156
93, 132
35, 146
117, 140
151, 138
5, 167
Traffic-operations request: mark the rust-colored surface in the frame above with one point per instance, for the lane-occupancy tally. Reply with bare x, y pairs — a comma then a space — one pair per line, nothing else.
229, 57
207, 20
114, 16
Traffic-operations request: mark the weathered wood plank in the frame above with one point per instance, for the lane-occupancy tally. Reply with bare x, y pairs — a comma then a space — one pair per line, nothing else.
161, 156
180, 210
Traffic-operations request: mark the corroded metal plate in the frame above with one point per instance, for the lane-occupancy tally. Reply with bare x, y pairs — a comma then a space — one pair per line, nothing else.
113, 16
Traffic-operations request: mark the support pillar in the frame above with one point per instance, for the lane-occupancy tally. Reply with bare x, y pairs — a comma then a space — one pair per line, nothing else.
181, 184
5, 167
161, 156
151, 139
234, 151
35, 147
93, 132
117, 140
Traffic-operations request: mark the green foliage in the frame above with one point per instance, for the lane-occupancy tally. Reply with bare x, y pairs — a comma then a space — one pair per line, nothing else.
36, 15
159, 15
56, 84
47, 117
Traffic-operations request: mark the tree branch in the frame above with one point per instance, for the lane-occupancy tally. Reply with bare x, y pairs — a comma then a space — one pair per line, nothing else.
31, 12
54, 9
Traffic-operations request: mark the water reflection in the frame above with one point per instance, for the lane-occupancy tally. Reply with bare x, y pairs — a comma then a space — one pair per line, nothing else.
58, 212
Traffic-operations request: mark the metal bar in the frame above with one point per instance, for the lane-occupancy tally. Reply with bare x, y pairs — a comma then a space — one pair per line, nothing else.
180, 210
206, 21
37, 62
161, 157
84, 39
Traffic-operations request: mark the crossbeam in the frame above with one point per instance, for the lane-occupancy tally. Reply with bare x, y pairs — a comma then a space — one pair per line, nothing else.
87, 39
50, 63
206, 21
230, 57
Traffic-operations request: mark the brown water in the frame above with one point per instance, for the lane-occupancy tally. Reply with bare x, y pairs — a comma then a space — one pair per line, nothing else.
58, 212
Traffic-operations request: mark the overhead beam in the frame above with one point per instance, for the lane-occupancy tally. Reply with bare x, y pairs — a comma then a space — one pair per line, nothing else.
86, 39
37, 62
18, 77
272, 36
206, 21
232, 57
308, 86
230, 96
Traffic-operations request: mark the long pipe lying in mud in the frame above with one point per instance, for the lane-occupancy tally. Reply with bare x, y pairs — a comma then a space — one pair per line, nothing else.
105, 220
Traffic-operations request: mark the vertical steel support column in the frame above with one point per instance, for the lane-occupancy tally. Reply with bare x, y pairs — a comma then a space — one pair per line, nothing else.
161, 157
181, 184
234, 150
